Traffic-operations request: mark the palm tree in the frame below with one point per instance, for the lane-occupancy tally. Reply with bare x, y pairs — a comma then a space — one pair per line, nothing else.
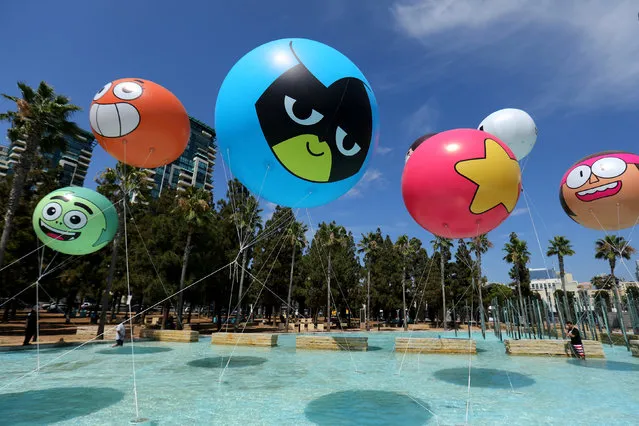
247, 219
42, 122
368, 245
560, 246
610, 248
480, 245
296, 237
121, 184
443, 246
194, 209
406, 248
518, 255
336, 237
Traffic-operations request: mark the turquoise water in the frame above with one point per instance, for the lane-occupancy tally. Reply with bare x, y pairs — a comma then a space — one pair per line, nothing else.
187, 384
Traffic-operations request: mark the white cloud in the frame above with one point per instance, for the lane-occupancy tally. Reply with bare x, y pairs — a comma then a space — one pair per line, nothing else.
421, 121
382, 150
370, 177
268, 210
583, 52
519, 211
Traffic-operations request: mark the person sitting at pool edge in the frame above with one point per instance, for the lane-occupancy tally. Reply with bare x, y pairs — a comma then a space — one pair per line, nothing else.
575, 339
120, 335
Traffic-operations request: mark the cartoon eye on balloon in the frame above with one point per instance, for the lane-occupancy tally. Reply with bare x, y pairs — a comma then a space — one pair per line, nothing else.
465, 184
416, 144
601, 191
514, 127
139, 122
75, 220
297, 122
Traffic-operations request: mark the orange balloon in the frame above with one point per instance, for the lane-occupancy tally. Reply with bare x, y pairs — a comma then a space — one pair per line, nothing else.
139, 122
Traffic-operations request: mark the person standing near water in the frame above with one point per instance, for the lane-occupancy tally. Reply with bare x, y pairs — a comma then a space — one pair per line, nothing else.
120, 335
30, 330
575, 339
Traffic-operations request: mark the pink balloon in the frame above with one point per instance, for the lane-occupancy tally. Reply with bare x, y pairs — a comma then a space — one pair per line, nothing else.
461, 183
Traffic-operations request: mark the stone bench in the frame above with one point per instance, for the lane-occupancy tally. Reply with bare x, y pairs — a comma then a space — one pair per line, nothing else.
244, 339
616, 338
333, 343
432, 345
593, 348
181, 336
634, 347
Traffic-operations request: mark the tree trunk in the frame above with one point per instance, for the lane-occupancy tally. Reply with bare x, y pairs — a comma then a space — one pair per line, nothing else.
109, 283
481, 297
17, 188
328, 293
441, 268
404, 297
618, 305
290, 287
522, 312
368, 300
238, 316
185, 262
562, 276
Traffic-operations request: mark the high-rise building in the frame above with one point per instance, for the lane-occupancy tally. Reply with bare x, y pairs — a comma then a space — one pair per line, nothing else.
193, 168
4, 157
73, 161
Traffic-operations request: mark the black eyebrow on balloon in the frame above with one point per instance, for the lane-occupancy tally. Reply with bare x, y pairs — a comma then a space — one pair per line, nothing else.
290, 45
84, 206
139, 81
59, 197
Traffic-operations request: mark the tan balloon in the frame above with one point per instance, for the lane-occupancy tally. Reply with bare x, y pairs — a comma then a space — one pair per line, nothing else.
601, 191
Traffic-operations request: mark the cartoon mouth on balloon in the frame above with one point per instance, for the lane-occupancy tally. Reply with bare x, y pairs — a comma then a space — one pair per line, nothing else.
114, 120
306, 157
58, 234
602, 191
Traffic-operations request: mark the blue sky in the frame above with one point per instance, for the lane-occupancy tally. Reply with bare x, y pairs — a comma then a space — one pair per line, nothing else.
434, 65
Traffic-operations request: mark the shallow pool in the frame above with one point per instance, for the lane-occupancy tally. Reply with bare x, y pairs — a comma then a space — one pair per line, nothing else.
181, 384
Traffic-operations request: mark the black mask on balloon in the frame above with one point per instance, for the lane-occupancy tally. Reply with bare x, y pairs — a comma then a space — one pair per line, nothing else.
416, 144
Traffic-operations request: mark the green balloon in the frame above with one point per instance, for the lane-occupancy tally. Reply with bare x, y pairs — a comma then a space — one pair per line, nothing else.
75, 220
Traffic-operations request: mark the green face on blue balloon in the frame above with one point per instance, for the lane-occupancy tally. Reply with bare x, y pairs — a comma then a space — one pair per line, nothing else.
75, 220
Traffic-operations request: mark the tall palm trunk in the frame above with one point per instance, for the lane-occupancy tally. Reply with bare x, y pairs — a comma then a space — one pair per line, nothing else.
185, 262
109, 283
290, 287
441, 268
618, 303
328, 293
481, 297
17, 188
562, 276
368, 300
404, 296
238, 316
522, 312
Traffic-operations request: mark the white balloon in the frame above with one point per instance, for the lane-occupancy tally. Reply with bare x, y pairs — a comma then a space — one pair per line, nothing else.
513, 127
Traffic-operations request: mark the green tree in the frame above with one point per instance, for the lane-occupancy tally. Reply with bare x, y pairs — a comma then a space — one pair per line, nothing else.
560, 246
611, 248
121, 185
480, 245
603, 282
41, 120
407, 249
336, 238
442, 246
247, 219
518, 255
369, 246
194, 209
296, 238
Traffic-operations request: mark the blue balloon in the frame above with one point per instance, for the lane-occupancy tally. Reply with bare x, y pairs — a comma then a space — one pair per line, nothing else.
296, 122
